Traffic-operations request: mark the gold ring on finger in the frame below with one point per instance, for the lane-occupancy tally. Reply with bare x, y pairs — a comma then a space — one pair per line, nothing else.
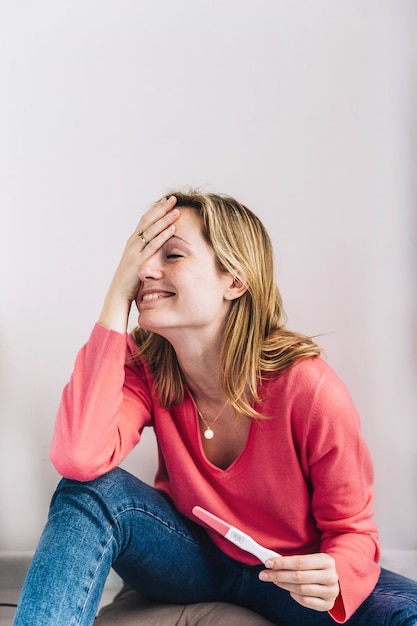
140, 235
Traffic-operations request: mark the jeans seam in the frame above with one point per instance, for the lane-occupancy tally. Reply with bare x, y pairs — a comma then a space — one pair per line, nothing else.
93, 576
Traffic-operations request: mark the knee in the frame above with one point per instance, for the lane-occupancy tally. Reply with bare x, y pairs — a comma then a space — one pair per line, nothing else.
105, 492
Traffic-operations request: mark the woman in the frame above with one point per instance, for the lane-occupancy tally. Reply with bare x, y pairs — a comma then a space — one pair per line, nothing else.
251, 424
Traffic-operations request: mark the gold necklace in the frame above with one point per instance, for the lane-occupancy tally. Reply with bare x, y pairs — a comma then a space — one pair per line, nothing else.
208, 433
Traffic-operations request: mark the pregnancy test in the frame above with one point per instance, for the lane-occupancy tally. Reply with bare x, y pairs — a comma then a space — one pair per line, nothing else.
233, 534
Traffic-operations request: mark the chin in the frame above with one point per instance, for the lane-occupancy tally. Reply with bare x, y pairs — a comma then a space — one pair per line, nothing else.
142, 324
149, 326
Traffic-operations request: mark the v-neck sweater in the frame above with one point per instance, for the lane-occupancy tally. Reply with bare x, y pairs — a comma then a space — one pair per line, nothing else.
302, 484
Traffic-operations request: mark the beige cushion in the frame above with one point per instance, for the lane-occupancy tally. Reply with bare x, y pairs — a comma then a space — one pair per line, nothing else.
129, 608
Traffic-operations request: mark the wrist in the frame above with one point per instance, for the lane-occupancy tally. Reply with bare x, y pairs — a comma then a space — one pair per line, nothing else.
115, 313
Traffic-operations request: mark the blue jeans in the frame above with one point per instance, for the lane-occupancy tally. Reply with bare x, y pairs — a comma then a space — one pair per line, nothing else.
118, 521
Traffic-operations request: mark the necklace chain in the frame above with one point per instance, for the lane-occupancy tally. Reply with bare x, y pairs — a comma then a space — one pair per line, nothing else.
208, 433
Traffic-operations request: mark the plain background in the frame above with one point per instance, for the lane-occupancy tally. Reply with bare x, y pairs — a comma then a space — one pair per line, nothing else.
305, 111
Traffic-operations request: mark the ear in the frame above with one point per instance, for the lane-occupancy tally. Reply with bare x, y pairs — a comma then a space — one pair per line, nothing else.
236, 287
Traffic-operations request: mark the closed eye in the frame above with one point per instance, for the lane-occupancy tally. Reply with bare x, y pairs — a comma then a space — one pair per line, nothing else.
174, 256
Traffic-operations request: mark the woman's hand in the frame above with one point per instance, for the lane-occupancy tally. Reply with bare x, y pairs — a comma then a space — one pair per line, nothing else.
155, 227
311, 579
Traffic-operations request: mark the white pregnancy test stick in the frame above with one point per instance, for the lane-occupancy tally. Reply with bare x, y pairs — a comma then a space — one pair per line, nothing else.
233, 534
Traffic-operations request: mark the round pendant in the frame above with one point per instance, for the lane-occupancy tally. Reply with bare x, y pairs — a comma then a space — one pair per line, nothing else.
208, 434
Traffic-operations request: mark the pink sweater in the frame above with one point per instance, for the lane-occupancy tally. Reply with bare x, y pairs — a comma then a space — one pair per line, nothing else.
302, 484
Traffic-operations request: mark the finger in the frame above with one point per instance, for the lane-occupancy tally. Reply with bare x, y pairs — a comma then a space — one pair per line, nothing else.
301, 569
314, 590
292, 579
152, 245
158, 211
157, 233
316, 561
159, 227
317, 603
319, 595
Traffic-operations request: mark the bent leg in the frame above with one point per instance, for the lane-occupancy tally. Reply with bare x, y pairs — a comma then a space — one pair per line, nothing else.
115, 519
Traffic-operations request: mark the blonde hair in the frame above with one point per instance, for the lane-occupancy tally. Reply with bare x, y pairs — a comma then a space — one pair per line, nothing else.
255, 343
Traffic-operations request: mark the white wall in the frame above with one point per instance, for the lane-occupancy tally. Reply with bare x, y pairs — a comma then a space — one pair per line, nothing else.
303, 110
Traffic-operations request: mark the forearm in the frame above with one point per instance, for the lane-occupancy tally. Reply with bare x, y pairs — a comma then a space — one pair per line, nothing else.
115, 312
98, 420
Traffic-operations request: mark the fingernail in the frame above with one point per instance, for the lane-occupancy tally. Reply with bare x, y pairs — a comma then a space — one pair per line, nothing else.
269, 564
264, 576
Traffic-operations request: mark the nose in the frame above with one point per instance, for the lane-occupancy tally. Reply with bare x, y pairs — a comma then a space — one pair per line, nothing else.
151, 268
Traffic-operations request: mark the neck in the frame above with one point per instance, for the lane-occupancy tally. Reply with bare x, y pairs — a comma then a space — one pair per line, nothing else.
200, 367
203, 381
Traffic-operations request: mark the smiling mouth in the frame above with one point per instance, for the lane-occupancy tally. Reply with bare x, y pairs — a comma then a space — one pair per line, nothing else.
155, 296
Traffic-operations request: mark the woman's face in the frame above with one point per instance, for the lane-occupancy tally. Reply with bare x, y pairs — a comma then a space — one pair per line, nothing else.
181, 287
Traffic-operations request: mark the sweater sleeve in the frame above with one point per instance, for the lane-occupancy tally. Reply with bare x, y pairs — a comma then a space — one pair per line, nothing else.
341, 474
103, 409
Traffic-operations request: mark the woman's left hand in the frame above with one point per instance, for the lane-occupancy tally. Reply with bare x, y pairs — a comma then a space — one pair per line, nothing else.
311, 579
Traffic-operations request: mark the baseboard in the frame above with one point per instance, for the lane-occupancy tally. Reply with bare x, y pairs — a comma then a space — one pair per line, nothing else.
14, 565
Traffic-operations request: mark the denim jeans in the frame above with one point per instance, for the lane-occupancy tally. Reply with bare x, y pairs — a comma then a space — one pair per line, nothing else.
118, 521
